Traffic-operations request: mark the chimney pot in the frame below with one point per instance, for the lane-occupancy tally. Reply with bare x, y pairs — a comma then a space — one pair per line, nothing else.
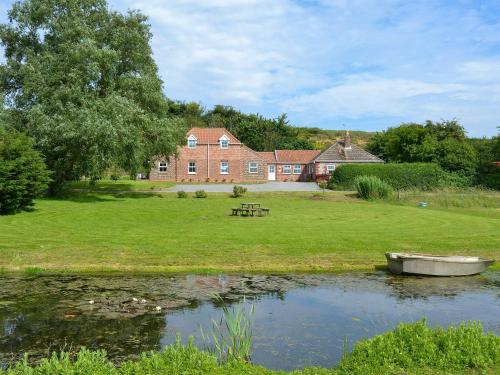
347, 140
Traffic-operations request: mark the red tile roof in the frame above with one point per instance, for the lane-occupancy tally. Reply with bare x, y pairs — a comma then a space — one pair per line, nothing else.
211, 135
296, 156
268, 156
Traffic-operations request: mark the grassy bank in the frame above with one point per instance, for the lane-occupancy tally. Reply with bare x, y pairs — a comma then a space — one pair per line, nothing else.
133, 232
409, 349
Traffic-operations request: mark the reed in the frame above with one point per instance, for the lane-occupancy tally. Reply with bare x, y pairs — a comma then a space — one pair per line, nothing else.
230, 338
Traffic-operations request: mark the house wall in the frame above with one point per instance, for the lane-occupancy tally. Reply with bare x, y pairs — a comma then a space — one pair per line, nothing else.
303, 176
237, 156
169, 175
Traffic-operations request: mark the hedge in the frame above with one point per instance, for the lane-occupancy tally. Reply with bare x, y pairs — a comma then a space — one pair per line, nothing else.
400, 176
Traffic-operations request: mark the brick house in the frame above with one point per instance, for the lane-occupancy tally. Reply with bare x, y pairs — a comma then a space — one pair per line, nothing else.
211, 154
214, 154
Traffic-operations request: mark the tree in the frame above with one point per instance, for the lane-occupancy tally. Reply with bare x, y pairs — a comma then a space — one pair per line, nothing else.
23, 174
80, 79
443, 143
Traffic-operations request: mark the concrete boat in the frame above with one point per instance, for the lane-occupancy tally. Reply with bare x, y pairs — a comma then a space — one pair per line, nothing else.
436, 265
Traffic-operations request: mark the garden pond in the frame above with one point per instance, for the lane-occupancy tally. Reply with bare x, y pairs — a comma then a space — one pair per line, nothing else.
300, 320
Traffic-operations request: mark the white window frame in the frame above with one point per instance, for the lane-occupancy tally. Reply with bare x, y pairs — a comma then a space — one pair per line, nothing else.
330, 168
287, 169
224, 167
294, 169
189, 167
162, 165
224, 144
253, 165
192, 142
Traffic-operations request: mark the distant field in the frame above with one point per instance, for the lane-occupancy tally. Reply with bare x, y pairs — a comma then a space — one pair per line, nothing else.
134, 232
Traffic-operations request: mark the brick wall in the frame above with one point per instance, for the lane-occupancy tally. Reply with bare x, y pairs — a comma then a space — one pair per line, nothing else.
169, 175
303, 176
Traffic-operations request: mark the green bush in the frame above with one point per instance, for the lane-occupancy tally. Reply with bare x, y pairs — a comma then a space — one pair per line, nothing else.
424, 176
200, 194
411, 348
114, 177
415, 346
23, 175
238, 191
489, 180
182, 194
371, 187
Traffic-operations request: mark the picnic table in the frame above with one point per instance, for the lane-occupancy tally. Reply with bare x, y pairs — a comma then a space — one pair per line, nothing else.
250, 209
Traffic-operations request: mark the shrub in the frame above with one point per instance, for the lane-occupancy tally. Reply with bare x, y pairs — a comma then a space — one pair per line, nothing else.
182, 194
415, 346
23, 175
424, 176
200, 194
371, 187
114, 176
238, 191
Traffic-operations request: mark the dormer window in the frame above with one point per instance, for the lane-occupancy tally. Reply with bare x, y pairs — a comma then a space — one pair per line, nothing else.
224, 142
192, 141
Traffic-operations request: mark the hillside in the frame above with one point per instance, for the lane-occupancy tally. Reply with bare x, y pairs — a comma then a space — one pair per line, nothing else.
322, 138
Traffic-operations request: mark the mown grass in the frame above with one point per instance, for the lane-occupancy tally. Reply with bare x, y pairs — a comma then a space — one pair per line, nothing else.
134, 232
409, 349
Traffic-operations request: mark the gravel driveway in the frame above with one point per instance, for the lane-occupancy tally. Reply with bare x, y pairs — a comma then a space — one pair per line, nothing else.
267, 187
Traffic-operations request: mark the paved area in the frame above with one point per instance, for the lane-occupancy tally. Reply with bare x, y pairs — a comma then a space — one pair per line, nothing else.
267, 187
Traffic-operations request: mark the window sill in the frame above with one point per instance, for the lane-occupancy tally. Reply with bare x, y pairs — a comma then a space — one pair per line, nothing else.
224, 173
191, 172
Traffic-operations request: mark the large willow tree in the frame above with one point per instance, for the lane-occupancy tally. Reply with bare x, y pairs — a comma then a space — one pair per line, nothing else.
81, 80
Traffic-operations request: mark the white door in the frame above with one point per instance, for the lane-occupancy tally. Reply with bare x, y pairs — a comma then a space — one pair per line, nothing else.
271, 175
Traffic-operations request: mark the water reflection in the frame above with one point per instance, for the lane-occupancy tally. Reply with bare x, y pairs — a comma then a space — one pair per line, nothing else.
299, 319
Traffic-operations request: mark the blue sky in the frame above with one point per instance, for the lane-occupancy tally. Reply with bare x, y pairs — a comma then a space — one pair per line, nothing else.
358, 64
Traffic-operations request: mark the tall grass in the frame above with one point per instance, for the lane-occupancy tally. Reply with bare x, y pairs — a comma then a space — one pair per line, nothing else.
451, 198
230, 338
372, 187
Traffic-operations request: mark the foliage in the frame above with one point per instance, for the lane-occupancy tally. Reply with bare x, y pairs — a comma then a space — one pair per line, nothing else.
81, 80
416, 346
238, 191
372, 187
230, 338
425, 176
23, 175
255, 131
411, 348
489, 179
200, 194
443, 143
323, 185
114, 177
322, 138
182, 194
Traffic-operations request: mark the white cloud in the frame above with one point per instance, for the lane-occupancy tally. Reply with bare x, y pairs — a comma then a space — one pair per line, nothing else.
367, 63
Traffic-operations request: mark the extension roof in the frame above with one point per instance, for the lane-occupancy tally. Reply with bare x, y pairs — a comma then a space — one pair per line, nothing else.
338, 153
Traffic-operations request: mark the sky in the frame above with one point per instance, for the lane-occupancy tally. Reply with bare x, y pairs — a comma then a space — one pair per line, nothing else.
334, 64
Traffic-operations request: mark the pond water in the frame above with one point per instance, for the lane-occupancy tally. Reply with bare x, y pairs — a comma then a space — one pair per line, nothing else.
300, 320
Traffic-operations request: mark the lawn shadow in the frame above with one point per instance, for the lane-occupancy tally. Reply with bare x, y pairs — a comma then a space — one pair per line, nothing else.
100, 197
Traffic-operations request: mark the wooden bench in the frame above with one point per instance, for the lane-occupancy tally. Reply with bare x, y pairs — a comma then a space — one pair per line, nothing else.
250, 211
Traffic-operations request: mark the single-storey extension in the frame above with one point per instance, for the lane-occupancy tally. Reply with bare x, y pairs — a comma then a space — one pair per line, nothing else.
214, 154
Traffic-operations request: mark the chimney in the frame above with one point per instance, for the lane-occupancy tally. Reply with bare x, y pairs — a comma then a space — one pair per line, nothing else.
347, 140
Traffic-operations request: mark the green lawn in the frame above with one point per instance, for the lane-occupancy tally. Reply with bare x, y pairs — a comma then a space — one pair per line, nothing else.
151, 233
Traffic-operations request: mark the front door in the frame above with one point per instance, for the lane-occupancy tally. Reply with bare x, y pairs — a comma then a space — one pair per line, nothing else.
271, 175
